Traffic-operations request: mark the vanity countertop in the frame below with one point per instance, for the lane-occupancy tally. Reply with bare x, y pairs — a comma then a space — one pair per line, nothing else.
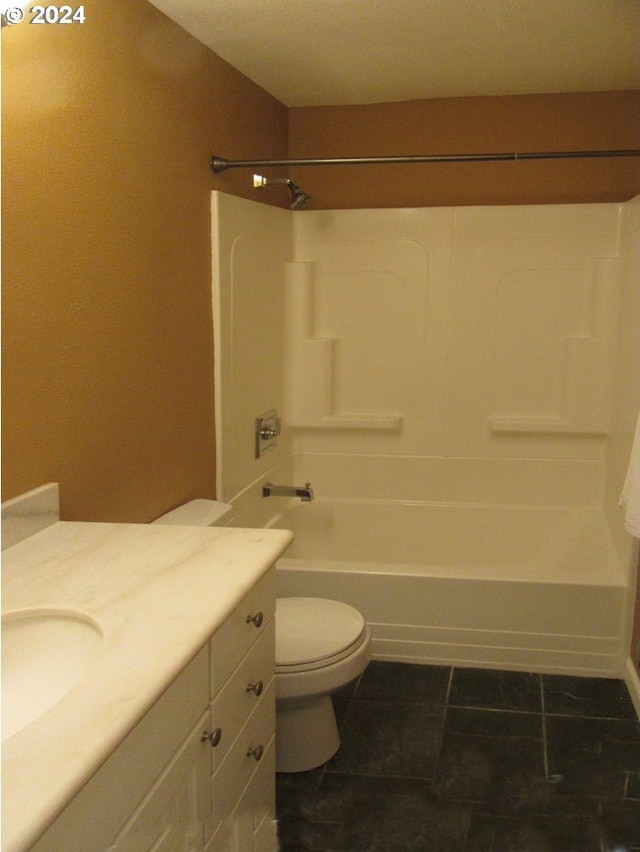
158, 593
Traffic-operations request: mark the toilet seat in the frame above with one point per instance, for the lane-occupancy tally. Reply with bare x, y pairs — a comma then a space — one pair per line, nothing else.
312, 633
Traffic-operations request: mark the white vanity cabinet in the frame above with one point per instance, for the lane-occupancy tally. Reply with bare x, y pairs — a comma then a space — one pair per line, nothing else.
198, 771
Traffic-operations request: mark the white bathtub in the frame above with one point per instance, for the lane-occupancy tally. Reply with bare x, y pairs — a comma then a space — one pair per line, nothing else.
496, 586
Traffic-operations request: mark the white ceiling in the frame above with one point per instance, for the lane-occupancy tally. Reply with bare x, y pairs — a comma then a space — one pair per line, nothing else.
321, 52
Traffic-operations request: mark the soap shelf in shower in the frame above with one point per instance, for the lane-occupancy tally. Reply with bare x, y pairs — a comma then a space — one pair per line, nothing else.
361, 421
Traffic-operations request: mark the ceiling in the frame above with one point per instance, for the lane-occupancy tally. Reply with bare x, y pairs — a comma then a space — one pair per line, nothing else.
331, 52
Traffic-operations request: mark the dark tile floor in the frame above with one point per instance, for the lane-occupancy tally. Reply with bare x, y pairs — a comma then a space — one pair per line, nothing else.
435, 759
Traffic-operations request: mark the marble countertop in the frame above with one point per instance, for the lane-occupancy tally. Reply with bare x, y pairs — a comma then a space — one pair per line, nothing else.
158, 593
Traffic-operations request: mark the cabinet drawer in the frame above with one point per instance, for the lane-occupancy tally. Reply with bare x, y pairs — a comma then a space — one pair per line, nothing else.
244, 690
233, 639
239, 765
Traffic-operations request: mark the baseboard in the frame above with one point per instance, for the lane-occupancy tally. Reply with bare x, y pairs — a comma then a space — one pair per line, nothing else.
633, 684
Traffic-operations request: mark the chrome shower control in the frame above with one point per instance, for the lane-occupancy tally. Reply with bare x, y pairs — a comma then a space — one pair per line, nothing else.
267, 430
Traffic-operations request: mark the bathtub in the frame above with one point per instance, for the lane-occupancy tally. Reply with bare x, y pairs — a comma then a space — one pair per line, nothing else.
527, 588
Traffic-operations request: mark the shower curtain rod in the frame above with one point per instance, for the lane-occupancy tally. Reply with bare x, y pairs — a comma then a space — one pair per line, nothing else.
220, 164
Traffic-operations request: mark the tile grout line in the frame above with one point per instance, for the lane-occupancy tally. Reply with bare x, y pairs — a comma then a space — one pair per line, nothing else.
449, 685
437, 762
444, 718
545, 755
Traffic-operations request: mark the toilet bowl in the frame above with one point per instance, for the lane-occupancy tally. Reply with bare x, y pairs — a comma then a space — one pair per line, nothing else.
321, 646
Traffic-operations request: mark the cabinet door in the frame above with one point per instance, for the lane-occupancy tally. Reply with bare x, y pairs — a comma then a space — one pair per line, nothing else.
106, 803
265, 838
251, 827
235, 834
172, 814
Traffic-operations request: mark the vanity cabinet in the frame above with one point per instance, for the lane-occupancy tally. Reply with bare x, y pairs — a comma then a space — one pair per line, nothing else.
198, 771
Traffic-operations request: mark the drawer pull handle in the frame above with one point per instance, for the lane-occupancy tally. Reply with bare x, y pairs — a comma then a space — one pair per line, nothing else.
256, 687
256, 752
257, 619
214, 737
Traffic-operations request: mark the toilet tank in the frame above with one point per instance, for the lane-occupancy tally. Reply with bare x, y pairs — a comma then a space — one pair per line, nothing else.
199, 513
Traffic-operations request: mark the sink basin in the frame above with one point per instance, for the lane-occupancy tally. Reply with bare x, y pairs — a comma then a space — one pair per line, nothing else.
45, 653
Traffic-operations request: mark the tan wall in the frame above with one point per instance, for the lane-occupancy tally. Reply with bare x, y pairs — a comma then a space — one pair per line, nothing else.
107, 337
107, 131
595, 120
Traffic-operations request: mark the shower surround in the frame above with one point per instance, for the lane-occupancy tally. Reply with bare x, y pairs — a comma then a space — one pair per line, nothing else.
460, 385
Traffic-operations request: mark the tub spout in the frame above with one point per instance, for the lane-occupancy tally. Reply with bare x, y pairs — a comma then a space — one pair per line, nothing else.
305, 493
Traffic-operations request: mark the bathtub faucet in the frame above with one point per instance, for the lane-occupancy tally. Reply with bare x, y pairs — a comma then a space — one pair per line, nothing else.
305, 493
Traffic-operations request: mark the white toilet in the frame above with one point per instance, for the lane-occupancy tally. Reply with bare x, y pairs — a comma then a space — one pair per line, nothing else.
321, 645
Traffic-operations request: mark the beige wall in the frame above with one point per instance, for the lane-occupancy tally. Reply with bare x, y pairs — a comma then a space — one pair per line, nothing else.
561, 122
107, 330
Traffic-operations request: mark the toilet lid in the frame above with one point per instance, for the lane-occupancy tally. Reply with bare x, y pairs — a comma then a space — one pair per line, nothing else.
313, 629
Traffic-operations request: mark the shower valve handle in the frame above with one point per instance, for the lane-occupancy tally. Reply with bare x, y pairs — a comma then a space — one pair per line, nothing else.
267, 433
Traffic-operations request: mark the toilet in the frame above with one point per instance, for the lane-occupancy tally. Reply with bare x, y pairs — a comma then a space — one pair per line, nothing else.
321, 646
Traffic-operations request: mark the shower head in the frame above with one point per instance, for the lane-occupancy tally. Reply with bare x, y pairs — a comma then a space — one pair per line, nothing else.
298, 196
